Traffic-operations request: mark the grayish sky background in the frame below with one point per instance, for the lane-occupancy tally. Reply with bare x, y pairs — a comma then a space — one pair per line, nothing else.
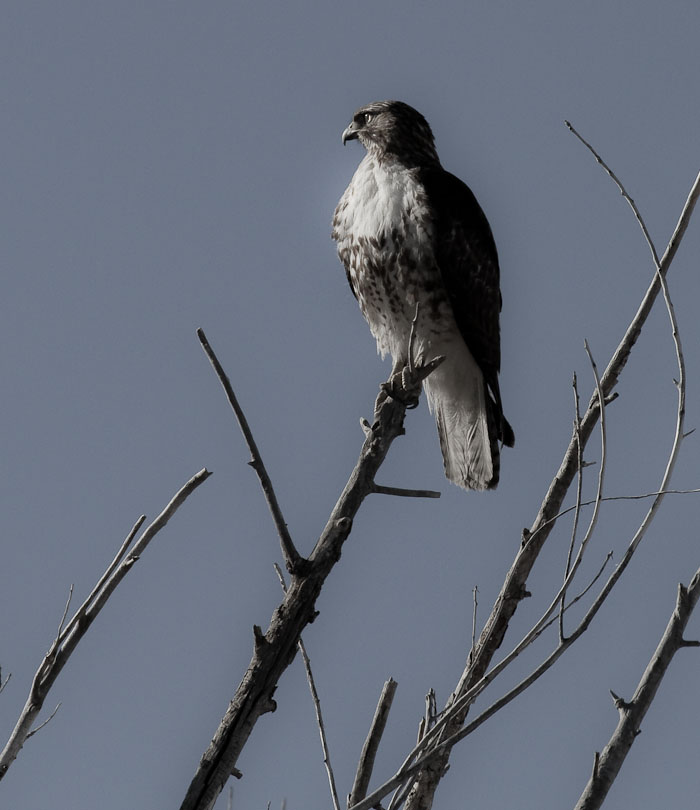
169, 165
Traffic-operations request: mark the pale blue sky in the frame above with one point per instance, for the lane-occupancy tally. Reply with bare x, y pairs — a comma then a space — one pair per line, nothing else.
169, 165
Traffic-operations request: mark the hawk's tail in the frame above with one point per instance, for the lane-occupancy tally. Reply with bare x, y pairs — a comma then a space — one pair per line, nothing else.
470, 423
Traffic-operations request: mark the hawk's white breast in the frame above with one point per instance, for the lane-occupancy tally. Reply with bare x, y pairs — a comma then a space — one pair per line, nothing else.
384, 231
382, 197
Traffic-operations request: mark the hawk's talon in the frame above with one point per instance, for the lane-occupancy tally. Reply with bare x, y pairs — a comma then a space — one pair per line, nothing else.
402, 388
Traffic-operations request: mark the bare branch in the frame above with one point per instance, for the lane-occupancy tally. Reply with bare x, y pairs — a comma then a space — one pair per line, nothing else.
600, 395
420, 758
462, 697
278, 647
640, 497
405, 493
578, 596
412, 341
317, 707
610, 760
292, 558
601, 475
475, 593
513, 589
455, 737
369, 749
65, 612
579, 497
622, 190
321, 727
68, 637
80, 612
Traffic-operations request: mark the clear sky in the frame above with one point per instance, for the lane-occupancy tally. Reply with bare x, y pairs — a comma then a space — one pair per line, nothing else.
169, 165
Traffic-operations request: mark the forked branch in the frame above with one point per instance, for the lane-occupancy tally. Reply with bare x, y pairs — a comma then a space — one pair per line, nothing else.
514, 589
317, 706
70, 634
609, 761
276, 648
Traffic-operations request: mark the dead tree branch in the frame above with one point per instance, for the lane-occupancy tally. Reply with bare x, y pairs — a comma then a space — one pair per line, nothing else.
405, 493
275, 649
579, 498
292, 558
317, 707
369, 749
68, 636
439, 737
609, 761
513, 589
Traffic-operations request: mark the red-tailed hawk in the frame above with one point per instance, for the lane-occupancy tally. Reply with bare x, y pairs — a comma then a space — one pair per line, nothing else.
413, 238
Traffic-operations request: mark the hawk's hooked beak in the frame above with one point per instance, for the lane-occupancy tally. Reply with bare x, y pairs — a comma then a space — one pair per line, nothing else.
350, 132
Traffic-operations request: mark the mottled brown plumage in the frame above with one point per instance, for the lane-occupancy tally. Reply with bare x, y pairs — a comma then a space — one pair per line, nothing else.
409, 233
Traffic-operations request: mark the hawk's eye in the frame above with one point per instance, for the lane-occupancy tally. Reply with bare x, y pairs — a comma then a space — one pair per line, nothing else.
368, 118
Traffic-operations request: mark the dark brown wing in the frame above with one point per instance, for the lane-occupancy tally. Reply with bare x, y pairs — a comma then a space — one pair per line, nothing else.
466, 255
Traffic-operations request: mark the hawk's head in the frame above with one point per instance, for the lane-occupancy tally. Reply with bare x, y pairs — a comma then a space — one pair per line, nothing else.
393, 128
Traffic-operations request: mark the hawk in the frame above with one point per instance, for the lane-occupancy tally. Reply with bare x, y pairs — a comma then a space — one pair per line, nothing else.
415, 243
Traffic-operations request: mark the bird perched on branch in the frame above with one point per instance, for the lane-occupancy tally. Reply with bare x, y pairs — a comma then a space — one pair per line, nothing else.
416, 244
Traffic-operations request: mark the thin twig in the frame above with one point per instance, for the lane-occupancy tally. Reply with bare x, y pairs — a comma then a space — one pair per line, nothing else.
646, 495
660, 278
400, 794
321, 727
48, 719
65, 611
80, 612
641, 497
601, 467
660, 275
580, 595
579, 491
292, 558
427, 722
475, 591
622, 191
4, 683
412, 340
317, 706
405, 493
430, 709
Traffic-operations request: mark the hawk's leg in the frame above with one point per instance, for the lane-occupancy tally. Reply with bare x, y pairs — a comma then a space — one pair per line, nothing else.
408, 374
